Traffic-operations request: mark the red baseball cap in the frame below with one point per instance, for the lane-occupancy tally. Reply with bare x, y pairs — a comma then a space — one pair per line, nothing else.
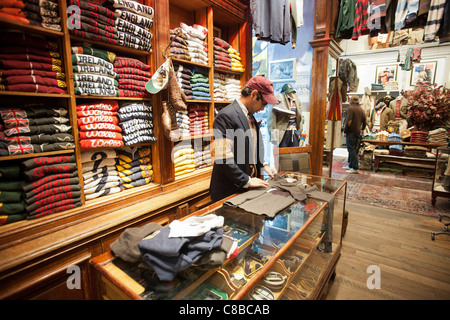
265, 87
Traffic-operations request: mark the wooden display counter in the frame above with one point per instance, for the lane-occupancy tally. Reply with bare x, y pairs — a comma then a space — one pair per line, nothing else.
290, 246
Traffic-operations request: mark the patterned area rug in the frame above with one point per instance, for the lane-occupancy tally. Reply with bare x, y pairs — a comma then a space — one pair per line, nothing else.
389, 190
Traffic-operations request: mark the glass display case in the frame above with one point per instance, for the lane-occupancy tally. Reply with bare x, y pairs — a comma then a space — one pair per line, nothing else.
441, 178
290, 256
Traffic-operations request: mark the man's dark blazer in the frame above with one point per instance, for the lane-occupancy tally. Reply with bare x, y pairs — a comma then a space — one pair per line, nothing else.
233, 152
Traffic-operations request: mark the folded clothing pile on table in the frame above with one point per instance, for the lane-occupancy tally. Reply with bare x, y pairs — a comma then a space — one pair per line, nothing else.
134, 166
395, 149
31, 64
34, 129
418, 137
51, 185
195, 242
438, 136
136, 121
100, 175
98, 125
415, 151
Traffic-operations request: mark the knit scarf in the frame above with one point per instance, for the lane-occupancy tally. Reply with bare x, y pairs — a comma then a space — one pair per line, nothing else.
380, 106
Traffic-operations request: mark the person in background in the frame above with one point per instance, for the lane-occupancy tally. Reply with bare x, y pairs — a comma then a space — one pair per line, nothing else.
356, 122
238, 145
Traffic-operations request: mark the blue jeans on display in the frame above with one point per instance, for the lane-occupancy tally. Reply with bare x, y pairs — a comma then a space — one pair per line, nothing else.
353, 140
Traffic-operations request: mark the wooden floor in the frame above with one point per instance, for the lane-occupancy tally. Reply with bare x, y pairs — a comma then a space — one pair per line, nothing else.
411, 265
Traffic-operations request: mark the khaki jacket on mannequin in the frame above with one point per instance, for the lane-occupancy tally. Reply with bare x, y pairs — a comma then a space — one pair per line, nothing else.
279, 117
386, 115
403, 107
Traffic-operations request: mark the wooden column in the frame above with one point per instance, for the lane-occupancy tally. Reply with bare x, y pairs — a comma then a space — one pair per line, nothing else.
161, 27
323, 45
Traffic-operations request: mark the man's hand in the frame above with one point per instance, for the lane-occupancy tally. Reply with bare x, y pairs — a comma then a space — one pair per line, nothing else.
270, 171
257, 183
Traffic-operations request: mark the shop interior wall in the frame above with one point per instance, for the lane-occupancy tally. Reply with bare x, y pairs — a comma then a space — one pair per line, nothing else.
265, 52
367, 61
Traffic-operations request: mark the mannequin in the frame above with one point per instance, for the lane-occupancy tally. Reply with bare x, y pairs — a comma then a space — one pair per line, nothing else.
380, 116
337, 94
399, 106
285, 120
366, 102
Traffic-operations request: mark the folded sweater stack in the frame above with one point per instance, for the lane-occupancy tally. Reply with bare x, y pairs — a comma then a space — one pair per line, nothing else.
93, 75
236, 60
100, 175
51, 186
200, 85
92, 21
196, 42
34, 129
232, 88
198, 119
438, 136
382, 136
419, 136
136, 121
133, 22
219, 87
178, 47
222, 59
395, 149
134, 166
183, 75
226, 57
123, 23
43, 13
132, 76
196, 241
30, 64
183, 123
13, 10
183, 158
98, 125
415, 151
12, 205
202, 157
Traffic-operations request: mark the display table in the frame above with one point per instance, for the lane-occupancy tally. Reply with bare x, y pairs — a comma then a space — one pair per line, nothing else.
377, 158
441, 177
280, 258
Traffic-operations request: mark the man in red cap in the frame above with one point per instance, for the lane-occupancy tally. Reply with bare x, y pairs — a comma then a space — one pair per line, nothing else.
238, 145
